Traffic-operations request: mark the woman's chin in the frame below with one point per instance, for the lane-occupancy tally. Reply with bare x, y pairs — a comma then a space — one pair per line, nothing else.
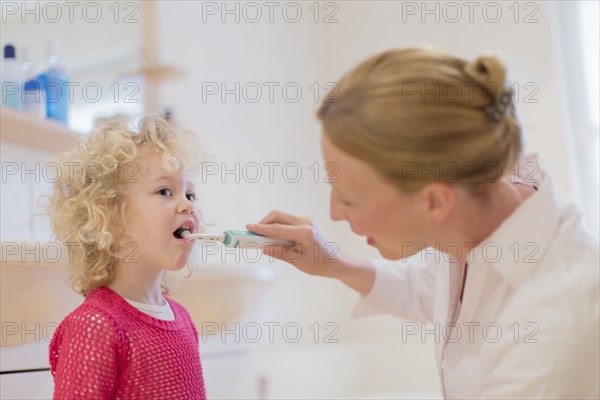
390, 254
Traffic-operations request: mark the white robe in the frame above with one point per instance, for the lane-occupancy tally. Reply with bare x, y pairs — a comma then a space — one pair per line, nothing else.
528, 325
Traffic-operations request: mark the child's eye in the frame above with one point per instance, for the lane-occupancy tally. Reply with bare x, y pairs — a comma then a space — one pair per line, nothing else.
191, 196
165, 192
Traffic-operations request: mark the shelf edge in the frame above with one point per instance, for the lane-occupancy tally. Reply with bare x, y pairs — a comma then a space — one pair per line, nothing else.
22, 129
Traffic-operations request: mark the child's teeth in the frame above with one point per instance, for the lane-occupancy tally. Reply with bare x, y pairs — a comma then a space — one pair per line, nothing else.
180, 232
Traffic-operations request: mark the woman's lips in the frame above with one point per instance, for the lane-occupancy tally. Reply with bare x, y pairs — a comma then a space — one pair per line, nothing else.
371, 241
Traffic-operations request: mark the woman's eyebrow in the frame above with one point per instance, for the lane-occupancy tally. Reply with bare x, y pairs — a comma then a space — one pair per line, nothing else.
338, 191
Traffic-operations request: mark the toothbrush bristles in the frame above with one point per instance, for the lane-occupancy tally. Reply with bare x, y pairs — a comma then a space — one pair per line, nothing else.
186, 235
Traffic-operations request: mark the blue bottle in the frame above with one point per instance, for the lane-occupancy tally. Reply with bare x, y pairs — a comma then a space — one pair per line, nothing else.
55, 81
34, 101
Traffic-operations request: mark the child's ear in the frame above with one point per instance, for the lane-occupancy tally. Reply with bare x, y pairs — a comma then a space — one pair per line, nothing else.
439, 200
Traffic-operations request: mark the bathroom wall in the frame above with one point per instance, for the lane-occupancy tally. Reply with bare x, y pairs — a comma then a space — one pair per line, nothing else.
26, 176
221, 45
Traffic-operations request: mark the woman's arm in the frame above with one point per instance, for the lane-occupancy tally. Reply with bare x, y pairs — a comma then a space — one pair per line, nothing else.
311, 253
402, 288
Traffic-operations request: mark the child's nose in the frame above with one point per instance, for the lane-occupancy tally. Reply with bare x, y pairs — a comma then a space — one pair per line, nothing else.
186, 205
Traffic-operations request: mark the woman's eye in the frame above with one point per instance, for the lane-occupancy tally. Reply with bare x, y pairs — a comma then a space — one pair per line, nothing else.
345, 202
191, 196
165, 192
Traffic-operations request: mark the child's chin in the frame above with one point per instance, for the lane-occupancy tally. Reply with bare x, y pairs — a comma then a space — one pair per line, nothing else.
179, 265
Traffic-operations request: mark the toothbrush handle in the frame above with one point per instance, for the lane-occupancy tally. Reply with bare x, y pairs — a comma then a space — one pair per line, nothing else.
245, 239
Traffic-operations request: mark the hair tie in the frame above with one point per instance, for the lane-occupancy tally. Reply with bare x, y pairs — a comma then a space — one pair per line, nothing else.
497, 110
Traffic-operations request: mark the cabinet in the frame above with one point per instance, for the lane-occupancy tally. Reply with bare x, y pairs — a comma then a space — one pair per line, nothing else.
26, 385
27, 145
233, 375
27, 148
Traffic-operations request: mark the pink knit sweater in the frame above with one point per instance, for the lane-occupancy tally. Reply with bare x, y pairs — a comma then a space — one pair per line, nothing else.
107, 349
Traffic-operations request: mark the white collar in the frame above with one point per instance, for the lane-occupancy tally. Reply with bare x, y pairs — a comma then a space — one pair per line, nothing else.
517, 246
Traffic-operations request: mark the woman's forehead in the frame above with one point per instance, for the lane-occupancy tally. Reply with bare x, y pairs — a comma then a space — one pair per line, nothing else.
350, 176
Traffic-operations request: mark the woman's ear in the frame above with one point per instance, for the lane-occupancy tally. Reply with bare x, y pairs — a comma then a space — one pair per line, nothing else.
439, 201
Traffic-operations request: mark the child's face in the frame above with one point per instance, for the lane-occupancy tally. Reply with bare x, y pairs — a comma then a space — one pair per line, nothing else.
158, 203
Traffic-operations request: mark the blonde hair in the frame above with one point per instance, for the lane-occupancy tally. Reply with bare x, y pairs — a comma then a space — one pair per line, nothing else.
420, 116
87, 207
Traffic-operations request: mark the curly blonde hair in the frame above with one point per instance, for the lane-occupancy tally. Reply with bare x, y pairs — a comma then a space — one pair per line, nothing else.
87, 207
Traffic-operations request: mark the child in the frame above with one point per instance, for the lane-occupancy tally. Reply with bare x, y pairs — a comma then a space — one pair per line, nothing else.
120, 204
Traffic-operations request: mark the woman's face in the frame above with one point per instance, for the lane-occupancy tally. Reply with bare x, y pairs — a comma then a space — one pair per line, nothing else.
392, 221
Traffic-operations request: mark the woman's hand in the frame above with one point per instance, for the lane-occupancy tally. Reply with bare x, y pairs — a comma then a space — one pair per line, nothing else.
310, 253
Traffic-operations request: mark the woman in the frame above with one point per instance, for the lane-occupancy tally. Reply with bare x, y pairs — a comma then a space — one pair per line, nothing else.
429, 168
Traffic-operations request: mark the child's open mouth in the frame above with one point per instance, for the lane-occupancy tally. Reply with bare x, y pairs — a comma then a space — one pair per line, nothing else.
179, 231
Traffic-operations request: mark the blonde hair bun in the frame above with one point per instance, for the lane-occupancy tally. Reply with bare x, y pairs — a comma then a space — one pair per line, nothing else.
489, 72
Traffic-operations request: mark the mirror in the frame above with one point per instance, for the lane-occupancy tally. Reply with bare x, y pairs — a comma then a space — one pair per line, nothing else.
100, 44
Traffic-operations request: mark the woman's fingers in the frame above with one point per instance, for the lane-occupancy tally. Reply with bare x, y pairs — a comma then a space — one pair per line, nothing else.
309, 252
280, 225
297, 233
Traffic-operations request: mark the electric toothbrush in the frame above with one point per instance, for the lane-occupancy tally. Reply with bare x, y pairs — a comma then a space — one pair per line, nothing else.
236, 239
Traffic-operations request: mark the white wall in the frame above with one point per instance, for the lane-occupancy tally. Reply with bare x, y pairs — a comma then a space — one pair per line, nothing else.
212, 50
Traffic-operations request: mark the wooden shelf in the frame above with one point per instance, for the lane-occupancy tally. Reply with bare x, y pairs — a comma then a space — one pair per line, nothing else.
157, 72
23, 129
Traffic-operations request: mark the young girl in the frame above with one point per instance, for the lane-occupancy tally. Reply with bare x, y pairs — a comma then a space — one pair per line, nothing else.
120, 205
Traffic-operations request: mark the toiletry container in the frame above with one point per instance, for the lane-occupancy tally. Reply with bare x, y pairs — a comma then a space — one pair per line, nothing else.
12, 78
54, 81
34, 100
33, 97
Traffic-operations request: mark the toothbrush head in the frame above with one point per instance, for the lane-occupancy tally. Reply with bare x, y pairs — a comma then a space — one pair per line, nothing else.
186, 235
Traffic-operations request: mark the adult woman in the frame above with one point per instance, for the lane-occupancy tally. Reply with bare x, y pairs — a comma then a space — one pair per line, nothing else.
428, 153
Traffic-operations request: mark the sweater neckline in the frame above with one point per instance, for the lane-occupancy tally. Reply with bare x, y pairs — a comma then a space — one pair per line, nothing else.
115, 299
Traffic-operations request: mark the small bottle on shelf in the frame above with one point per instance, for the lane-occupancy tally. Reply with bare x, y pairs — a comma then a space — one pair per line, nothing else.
55, 83
33, 99
12, 79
